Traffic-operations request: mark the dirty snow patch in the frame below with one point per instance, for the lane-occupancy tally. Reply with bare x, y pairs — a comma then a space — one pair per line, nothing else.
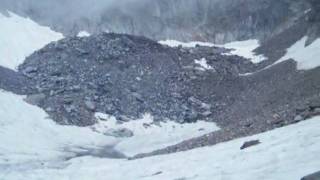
20, 37
149, 135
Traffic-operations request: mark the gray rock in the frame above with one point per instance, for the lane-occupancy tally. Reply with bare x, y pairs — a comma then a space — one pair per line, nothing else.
314, 176
35, 99
29, 70
90, 105
121, 133
249, 144
298, 118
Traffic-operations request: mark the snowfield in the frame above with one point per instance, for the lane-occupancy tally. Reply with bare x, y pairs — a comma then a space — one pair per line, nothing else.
307, 57
16, 33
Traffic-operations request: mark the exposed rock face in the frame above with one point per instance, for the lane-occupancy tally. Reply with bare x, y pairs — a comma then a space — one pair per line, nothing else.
207, 20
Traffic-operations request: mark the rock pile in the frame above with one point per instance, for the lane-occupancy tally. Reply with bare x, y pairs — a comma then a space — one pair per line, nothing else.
125, 76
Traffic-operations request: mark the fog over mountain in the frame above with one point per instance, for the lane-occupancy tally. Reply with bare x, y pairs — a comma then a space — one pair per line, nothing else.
206, 20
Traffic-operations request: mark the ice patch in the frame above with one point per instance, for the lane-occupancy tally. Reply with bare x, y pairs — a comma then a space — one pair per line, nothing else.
20, 37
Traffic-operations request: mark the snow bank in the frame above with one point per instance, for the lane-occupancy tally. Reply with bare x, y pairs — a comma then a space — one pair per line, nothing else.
20, 37
287, 153
27, 135
83, 34
307, 57
240, 48
149, 136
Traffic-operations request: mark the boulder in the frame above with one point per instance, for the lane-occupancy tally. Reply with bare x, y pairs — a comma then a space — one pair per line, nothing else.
120, 133
249, 144
35, 99
314, 176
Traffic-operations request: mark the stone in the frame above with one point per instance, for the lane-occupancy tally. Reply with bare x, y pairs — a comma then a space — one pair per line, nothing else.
35, 99
120, 133
30, 69
298, 118
123, 118
90, 105
248, 144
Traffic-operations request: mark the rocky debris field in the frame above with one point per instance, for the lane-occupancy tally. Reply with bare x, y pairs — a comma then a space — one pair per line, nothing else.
127, 76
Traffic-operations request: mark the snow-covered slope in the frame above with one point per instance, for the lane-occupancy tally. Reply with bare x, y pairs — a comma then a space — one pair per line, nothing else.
307, 57
28, 135
286, 153
20, 37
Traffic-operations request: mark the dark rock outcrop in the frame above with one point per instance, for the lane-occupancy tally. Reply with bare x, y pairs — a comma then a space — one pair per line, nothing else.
314, 176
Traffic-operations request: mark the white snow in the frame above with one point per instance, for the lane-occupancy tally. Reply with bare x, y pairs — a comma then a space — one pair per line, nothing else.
307, 57
203, 64
246, 49
174, 43
149, 136
83, 34
20, 37
241, 48
287, 153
